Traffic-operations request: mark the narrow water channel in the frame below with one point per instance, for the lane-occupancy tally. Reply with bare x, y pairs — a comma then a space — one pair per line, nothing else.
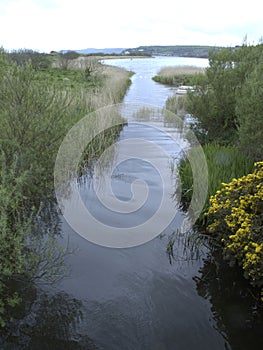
133, 298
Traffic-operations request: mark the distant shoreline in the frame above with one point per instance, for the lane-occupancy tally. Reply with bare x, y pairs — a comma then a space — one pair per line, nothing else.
120, 57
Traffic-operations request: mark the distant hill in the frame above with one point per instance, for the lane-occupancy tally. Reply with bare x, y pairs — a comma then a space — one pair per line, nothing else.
177, 50
107, 51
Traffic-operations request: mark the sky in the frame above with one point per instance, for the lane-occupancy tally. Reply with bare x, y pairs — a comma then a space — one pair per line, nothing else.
46, 25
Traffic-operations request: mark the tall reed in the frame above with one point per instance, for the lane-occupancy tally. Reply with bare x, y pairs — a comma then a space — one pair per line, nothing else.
224, 163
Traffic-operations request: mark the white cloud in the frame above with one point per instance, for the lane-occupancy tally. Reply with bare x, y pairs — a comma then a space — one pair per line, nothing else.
74, 24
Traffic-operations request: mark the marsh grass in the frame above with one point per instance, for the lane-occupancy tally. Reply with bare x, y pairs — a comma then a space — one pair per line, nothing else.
115, 84
186, 246
98, 145
224, 163
176, 104
177, 75
148, 114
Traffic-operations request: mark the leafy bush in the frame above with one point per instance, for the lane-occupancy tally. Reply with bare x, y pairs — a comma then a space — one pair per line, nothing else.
34, 117
24, 254
37, 60
227, 100
237, 214
249, 109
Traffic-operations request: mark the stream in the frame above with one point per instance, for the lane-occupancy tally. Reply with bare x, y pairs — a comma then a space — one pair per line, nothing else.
133, 297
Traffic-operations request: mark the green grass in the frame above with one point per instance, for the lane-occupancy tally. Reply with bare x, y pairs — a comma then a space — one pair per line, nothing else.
73, 79
224, 163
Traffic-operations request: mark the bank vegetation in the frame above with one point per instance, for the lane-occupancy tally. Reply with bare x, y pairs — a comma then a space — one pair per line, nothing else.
227, 109
41, 98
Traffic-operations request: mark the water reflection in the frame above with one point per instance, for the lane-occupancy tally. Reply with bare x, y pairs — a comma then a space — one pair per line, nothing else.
238, 316
44, 321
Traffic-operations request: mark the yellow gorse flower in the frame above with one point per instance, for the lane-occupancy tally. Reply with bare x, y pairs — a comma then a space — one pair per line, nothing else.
237, 221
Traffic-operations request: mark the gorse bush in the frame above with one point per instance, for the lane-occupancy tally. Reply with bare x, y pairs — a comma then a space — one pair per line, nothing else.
236, 212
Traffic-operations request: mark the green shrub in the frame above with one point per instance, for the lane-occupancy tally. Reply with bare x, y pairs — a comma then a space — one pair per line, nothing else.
36, 59
249, 109
227, 100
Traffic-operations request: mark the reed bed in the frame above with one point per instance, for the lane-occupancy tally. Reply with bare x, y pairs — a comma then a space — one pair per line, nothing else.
177, 75
115, 84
